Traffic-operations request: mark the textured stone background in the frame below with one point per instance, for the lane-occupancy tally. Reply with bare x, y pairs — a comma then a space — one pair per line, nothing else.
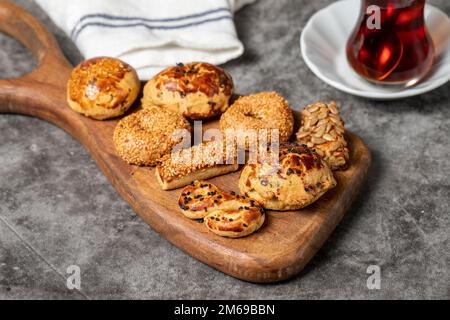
57, 209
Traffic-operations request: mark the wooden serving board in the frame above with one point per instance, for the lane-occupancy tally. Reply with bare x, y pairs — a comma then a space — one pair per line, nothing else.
281, 248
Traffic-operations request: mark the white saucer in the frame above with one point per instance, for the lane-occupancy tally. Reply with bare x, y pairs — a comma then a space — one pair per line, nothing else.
323, 42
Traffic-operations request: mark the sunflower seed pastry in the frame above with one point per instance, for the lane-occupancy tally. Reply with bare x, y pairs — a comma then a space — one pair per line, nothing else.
200, 162
323, 130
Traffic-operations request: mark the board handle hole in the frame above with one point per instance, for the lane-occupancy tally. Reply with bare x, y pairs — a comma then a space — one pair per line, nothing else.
15, 59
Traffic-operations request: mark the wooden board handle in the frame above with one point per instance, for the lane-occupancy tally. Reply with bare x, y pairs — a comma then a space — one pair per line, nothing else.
39, 92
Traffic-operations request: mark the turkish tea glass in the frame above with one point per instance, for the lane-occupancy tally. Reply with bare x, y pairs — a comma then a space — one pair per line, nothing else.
390, 44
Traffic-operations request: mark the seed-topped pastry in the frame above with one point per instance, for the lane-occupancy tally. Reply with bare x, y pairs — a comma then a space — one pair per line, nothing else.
323, 130
200, 162
256, 115
102, 88
198, 90
225, 214
296, 180
143, 137
200, 198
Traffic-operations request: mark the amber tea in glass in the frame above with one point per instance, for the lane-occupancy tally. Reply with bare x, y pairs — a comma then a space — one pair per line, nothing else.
391, 44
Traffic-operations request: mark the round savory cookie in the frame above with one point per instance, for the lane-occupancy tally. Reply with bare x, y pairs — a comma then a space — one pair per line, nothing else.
198, 90
296, 180
225, 214
235, 223
143, 137
102, 88
249, 115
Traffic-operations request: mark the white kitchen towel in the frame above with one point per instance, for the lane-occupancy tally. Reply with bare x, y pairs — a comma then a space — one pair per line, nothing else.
150, 34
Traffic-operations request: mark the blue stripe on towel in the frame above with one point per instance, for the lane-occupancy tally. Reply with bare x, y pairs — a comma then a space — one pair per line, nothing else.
151, 27
79, 26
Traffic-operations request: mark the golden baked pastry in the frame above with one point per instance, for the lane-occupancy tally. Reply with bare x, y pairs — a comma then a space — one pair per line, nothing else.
198, 90
102, 88
225, 214
143, 137
258, 113
200, 198
323, 130
299, 178
200, 162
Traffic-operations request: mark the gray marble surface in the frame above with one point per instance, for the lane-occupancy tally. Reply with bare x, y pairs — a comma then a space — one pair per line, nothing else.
57, 209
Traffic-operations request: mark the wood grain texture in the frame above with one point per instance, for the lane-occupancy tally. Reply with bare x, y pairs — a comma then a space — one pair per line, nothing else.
283, 246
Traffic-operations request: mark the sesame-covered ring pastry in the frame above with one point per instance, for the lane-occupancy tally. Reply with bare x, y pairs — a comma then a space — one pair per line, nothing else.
225, 214
102, 88
323, 130
296, 180
143, 137
259, 114
198, 90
